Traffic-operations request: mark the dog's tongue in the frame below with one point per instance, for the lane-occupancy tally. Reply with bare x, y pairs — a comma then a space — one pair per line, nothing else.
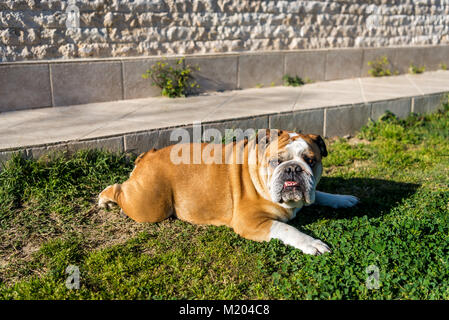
290, 184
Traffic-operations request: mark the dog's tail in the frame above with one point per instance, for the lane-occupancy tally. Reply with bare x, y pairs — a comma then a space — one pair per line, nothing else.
109, 195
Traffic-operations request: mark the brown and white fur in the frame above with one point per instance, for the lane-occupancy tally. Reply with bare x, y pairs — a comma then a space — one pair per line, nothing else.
255, 198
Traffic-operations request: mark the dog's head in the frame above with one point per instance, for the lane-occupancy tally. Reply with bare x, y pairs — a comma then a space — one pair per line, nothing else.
291, 166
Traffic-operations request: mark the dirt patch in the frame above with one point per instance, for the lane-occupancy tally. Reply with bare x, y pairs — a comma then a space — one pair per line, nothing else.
109, 227
100, 229
355, 141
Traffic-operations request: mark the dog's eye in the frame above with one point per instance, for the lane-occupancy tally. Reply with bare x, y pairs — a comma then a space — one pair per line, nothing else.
310, 161
274, 162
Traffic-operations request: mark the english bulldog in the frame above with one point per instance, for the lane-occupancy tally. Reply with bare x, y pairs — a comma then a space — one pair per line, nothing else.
255, 197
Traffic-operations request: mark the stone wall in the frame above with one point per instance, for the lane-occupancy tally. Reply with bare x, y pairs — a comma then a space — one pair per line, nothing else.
40, 29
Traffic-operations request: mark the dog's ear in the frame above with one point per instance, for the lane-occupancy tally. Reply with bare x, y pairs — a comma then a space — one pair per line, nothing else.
320, 143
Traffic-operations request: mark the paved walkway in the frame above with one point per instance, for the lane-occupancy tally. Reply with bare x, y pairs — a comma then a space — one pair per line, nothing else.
52, 125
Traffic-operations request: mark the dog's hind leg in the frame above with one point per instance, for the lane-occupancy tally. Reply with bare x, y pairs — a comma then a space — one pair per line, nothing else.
108, 196
139, 203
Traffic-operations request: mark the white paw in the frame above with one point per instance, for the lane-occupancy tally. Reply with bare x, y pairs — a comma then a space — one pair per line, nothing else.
315, 247
343, 201
105, 204
102, 203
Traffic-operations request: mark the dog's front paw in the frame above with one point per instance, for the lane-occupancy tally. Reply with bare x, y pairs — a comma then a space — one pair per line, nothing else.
344, 201
315, 247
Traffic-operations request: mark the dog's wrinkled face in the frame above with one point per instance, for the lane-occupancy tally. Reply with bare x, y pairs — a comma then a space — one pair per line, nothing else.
294, 168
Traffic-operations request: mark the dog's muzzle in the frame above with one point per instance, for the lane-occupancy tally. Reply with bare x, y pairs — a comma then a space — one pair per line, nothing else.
292, 183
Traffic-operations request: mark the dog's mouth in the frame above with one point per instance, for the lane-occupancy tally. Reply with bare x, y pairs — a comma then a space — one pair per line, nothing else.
291, 191
290, 184
294, 191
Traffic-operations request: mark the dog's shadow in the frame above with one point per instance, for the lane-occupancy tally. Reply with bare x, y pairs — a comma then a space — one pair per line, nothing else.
377, 197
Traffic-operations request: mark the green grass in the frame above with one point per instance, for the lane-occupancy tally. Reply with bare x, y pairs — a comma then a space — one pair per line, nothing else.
399, 170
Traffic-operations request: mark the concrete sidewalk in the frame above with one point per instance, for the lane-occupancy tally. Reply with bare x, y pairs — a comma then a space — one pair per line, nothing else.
327, 108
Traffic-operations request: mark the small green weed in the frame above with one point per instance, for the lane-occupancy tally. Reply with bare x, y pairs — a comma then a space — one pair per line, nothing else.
174, 81
415, 69
292, 81
380, 67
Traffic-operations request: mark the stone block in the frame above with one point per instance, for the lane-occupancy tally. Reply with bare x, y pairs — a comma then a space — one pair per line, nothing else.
346, 120
428, 103
86, 82
400, 107
403, 57
39, 152
7, 155
24, 87
217, 73
343, 64
259, 122
307, 121
140, 142
373, 54
260, 69
435, 56
306, 64
134, 85
113, 144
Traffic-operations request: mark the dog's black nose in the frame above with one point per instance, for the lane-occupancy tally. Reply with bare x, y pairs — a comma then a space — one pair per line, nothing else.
293, 168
